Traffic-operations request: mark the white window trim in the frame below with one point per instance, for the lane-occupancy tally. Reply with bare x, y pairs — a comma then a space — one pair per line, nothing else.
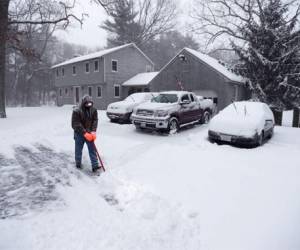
87, 72
74, 93
98, 65
73, 70
104, 71
114, 60
88, 90
117, 85
66, 94
149, 68
99, 86
236, 92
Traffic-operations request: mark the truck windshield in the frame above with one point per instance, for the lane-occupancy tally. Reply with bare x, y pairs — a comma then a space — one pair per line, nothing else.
165, 98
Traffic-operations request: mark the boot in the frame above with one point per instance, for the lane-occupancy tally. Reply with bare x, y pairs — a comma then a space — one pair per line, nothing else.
95, 169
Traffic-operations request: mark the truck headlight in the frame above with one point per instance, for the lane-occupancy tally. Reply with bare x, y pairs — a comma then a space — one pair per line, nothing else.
161, 113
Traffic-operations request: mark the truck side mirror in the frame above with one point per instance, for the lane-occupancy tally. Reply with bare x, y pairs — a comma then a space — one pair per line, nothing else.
184, 102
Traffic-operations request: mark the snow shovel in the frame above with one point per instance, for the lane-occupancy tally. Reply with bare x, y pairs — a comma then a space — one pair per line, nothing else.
98, 155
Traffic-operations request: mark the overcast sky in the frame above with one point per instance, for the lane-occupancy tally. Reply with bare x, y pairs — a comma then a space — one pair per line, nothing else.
90, 34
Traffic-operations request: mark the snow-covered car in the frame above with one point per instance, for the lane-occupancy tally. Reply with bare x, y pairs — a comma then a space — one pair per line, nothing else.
248, 123
121, 111
168, 112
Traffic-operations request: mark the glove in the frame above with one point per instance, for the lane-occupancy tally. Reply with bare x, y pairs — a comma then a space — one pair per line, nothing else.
88, 136
94, 136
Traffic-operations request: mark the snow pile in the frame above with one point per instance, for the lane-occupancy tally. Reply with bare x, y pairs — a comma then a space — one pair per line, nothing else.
287, 118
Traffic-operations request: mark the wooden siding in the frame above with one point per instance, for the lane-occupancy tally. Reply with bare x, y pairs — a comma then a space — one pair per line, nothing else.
196, 75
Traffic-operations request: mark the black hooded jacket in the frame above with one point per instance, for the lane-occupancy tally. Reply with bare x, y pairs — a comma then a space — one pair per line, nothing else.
85, 119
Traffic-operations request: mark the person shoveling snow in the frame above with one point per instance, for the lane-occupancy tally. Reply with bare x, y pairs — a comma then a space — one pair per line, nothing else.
84, 123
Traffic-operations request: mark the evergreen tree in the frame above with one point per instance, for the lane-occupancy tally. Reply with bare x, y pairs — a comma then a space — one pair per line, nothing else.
270, 58
122, 28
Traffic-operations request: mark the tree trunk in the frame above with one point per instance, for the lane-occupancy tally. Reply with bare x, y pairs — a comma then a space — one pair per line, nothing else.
3, 38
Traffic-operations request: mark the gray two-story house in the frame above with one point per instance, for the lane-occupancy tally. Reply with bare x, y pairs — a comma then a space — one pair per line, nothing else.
100, 74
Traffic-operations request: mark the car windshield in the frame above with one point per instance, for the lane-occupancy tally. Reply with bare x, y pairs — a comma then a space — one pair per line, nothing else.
138, 97
165, 98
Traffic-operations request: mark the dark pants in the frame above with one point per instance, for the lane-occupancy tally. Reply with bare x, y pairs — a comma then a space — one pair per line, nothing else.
79, 143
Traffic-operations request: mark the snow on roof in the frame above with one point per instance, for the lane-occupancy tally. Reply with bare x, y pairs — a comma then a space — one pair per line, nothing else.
216, 65
97, 55
140, 79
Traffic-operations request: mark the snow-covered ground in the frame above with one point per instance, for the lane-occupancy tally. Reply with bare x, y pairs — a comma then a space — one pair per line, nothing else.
159, 192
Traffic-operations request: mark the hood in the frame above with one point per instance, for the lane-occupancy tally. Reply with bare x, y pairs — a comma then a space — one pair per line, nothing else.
156, 106
85, 99
122, 104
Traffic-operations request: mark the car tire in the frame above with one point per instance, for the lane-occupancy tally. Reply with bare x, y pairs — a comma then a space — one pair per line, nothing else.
173, 126
271, 133
260, 139
206, 117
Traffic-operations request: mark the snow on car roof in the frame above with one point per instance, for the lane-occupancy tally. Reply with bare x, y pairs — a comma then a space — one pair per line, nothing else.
174, 92
214, 63
245, 106
141, 79
97, 55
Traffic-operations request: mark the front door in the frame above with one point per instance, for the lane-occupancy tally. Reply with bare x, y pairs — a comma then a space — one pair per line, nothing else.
76, 95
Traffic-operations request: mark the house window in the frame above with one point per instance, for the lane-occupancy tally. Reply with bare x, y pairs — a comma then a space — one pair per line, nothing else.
96, 64
117, 91
148, 68
90, 90
63, 71
114, 65
57, 72
99, 91
60, 92
66, 92
87, 68
74, 70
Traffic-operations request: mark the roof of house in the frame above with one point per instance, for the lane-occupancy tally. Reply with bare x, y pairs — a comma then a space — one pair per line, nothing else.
100, 54
214, 63
141, 79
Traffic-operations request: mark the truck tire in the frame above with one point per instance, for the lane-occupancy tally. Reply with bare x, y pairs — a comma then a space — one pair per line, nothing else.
206, 117
173, 126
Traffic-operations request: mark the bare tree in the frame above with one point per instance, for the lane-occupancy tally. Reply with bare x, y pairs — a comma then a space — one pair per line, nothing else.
32, 12
224, 18
155, 17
